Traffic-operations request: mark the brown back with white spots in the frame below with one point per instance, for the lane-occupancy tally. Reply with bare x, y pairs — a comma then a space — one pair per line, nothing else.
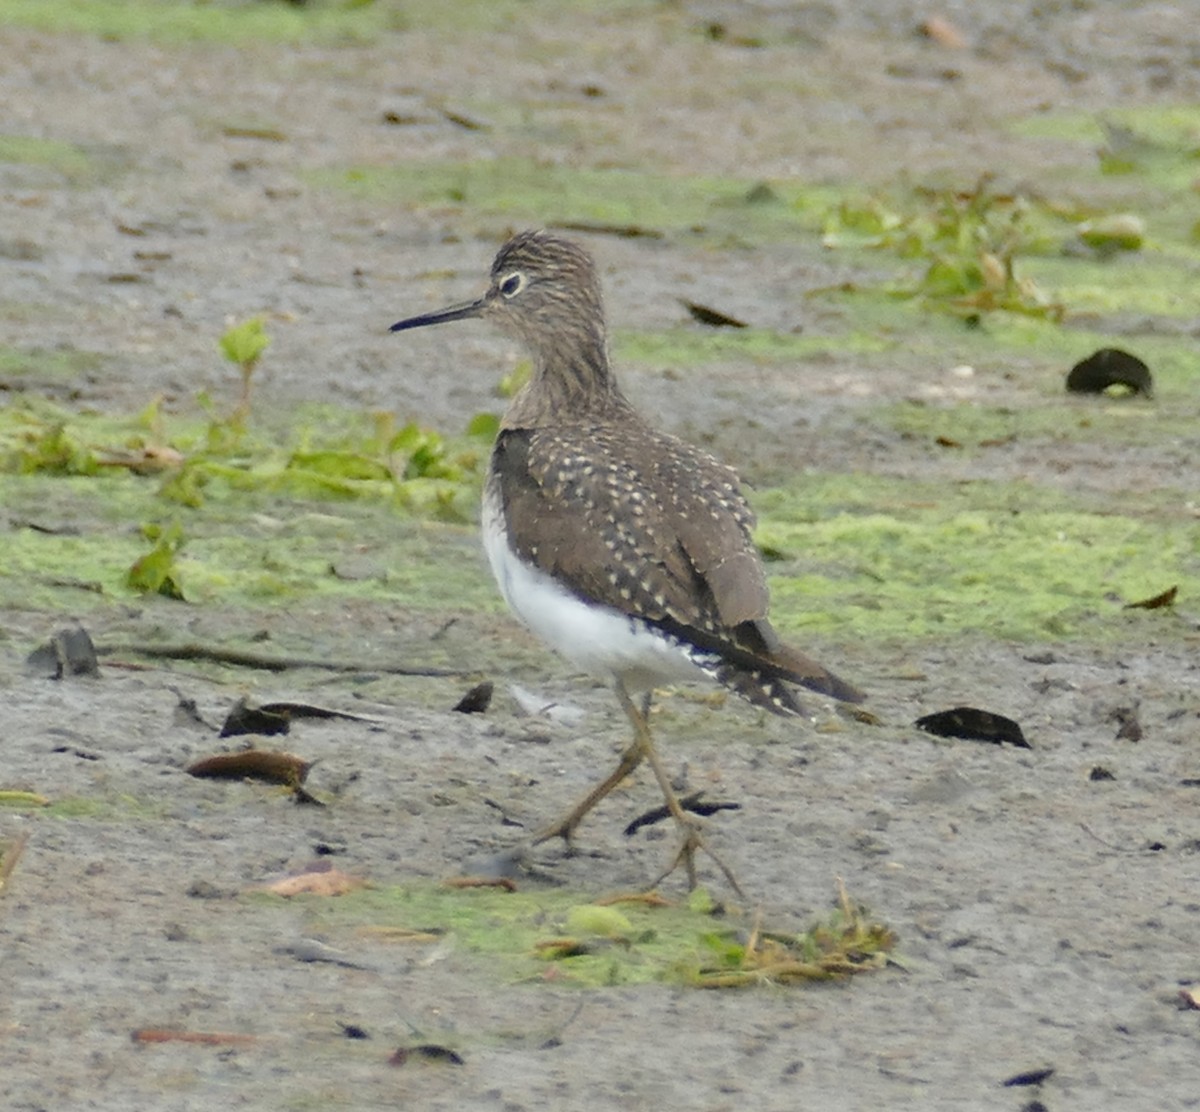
647, 525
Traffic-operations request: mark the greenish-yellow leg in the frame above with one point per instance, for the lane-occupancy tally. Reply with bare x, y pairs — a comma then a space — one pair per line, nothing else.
642, 749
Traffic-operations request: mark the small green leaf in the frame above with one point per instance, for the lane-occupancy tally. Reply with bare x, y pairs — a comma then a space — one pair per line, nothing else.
244, 343
186, 485
426, 452
485, 426
155, 572
728, 950
52, 450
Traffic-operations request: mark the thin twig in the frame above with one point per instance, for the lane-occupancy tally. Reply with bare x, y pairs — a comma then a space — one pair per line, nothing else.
243, 659
10, 857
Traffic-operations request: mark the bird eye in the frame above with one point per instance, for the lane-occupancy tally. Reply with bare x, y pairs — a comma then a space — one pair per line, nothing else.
512, 284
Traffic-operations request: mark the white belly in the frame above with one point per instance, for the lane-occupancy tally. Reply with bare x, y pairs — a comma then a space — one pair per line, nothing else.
596, 639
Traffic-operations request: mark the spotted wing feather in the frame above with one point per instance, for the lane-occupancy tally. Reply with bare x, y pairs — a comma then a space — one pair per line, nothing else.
666, 539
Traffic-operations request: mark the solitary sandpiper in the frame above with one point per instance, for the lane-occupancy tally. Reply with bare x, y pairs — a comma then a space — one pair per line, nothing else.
626, 550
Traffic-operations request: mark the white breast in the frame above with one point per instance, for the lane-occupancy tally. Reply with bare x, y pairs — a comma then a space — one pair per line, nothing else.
596, 639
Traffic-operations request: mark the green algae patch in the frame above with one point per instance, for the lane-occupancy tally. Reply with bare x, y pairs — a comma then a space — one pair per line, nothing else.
694, 347
1157, 284
337, 22
24, 364
546, 194
1142, 157
60, 161
1034, 353
985, 431
225, 23
108, 807
906, 560
559, 938
344, 508
1136, 134
327, 515
66, 556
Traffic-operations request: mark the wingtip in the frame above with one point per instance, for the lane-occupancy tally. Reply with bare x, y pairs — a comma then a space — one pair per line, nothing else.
803, 670
844, 691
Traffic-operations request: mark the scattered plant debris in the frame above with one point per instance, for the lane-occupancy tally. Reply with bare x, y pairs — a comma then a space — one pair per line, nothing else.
319, 879
275, 718
253, 764
69, 652
201, 1038
621, 231
1029, 1077
75, 751
402, 934
846, 943
1110, 370
645, 899
973, 724
505, 882
969, 241
938, 29
150, 459
314, 951
248, 131
311, 710
1129, 728
245, 719
301, 796
428, 1052
1155, 602
460, 119
695, 803
547, 937
10, 854
245, 659
714, 318
477, 700
14, 797
554, 949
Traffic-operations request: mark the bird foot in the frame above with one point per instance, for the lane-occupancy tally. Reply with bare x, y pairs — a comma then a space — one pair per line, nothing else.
564, 828
693, 842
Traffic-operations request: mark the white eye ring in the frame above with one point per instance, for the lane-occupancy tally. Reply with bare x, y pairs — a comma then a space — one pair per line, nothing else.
511, 284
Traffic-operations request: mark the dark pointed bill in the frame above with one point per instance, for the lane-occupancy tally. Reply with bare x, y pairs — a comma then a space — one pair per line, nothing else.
453, 312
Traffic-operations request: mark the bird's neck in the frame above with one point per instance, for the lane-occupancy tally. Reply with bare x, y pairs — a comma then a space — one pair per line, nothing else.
567, 386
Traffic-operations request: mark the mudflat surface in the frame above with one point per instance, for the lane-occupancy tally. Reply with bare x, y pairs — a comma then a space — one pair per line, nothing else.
1047, 919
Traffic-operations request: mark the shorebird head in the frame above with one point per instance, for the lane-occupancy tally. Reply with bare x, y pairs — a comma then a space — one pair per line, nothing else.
544, 292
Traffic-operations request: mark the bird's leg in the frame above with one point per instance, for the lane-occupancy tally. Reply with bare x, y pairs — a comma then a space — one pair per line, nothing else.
565, 827
633, 756
692, 839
